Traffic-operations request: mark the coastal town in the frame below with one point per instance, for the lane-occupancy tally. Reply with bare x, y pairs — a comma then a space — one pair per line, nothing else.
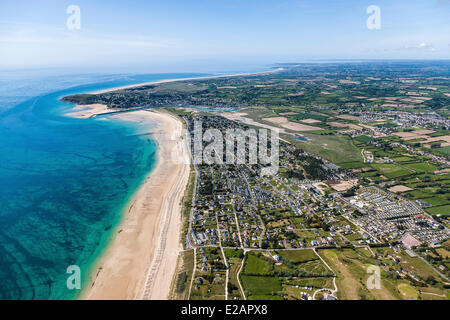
234, 209
217, 159
361, 183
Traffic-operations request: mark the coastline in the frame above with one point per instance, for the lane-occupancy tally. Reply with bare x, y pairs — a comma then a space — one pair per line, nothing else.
183, 79
131, 266
84, 111
150, 227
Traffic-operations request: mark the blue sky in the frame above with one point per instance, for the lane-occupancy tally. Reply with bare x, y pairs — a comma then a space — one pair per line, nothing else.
181, 35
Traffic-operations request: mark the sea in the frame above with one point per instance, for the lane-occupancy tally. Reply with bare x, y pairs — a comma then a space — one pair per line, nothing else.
64, 182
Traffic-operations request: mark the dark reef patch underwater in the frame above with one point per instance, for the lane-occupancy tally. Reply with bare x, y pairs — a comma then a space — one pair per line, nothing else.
63, 185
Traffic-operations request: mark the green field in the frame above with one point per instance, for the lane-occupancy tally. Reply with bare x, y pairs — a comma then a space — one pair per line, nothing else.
445, 150
421, 167
257, 285
353, 165
391, 170
402, 159
303, 116
298, 255
363, 139
256, 264
444, 210
337, 149
436, 201
407, 291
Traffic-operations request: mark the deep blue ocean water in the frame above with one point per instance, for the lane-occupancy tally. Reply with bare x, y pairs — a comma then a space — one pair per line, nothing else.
63, 182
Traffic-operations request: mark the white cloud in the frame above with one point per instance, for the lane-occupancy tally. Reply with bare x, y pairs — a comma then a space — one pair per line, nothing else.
420, 46
65, 37
61, 47
423, 45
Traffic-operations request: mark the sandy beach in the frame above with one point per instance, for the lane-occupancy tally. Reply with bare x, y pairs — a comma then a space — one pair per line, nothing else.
89, 110
141, 259
183, 79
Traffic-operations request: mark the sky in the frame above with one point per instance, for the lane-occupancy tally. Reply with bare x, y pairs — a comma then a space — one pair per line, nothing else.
206, 35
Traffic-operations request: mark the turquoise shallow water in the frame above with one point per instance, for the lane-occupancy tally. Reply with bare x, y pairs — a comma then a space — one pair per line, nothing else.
63, 185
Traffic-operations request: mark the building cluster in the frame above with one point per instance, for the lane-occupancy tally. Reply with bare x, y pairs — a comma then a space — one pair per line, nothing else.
387, 217
235, 206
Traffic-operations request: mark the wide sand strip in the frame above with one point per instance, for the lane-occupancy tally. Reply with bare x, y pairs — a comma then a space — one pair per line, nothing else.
141, 259
184, 79
89, 110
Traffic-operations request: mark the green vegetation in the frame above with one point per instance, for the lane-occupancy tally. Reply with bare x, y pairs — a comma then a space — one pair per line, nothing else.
258, 285
209, 279
180, 287
338, 149
181, 282
364, 139
356, 110
256, 264
443, 210
303, 116
262, 276
234, 258
445, 150
298, 256
391, 170
351, 265
421, 167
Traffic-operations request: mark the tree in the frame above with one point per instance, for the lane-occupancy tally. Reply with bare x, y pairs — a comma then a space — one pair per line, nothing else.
431, 280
